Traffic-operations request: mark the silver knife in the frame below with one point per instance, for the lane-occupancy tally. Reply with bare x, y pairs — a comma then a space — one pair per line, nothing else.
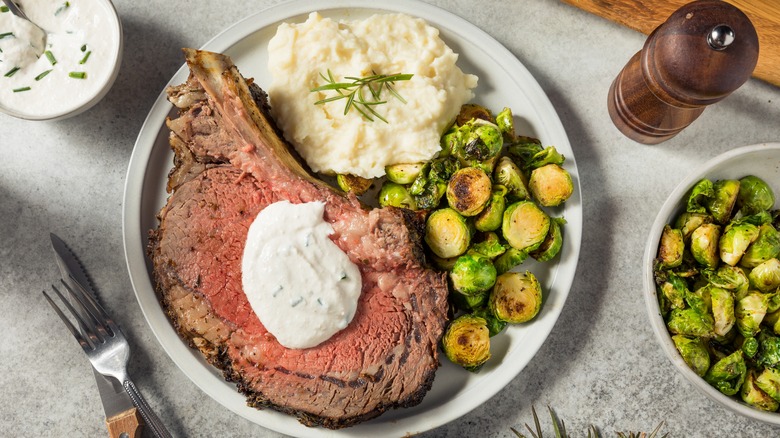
121, 415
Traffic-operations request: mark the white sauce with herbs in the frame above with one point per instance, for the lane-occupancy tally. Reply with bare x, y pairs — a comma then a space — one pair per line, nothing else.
81, 46
301, 286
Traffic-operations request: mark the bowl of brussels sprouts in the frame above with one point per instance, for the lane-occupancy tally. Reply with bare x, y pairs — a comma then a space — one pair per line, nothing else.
712, 279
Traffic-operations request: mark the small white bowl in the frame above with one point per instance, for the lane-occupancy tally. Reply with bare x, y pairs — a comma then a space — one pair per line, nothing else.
762, 160
106, 13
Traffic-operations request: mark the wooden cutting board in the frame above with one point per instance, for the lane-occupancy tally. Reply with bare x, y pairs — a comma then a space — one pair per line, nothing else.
646, 15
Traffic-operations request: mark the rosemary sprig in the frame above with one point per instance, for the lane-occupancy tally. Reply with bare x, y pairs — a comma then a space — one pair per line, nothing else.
354, 94
559, 429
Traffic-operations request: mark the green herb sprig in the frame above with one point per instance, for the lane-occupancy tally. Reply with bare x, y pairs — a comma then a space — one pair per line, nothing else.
354, 92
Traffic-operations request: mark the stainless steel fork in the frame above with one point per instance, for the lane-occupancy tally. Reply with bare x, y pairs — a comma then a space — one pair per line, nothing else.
105, 346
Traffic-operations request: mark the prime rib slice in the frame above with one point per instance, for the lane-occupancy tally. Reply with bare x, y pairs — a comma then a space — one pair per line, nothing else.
230, 163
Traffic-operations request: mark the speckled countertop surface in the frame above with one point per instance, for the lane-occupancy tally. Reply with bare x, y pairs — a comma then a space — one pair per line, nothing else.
601, 364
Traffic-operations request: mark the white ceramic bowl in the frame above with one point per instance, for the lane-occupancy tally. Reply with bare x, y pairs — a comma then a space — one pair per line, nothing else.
762, 160
105, 13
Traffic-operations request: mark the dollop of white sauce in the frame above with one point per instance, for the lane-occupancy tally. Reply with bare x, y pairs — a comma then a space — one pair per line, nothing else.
36, 78
302, 287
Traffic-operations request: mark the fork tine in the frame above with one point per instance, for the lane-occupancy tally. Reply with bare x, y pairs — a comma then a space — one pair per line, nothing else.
84, 319
88, 315
82, 341
94, 308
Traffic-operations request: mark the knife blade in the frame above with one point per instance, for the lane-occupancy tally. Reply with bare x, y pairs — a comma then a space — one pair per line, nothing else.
121, 414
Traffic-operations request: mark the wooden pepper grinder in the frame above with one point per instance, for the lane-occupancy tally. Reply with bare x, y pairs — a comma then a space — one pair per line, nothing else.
704, 51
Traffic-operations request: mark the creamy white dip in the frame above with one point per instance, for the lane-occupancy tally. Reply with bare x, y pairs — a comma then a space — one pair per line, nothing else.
332, 142
301, 286
81, 46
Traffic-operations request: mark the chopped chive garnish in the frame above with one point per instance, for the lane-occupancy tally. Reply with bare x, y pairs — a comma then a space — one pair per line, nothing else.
64, 6
84, 59
18, 90
78, 75
4, 9
84, 48
42, 75
50, 57
6, 34
11, 72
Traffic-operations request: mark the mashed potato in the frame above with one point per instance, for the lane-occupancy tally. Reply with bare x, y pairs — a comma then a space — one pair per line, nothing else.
332, 142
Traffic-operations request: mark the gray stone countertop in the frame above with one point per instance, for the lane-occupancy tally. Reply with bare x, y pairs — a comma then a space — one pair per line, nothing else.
600, 366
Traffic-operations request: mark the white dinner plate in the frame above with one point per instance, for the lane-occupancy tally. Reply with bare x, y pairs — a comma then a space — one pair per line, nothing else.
503, 81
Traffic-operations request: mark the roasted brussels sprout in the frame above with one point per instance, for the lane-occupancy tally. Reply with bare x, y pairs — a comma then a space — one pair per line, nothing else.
494, 325
466, 342
769, 350
670, 251
728, 373
548, 155
704, 245
523, 150
525, 225
471, 111
689, 322
766, 276
752, 394
722, 310
769, 382
750, 311
730, 278
419, 183
447, 233
403, 173
481, 141
687, 222
765, 247
735, 240
553, 243
354, 184
755, 195
694, 353
506, 124
516, 297
551, 185
445, 264
469, 191
468, 302
509, 175
700, 194
675, 290
431, 195
509, 259
489, 246
473, 273
489, 219
396, 195
722, 204
442, 168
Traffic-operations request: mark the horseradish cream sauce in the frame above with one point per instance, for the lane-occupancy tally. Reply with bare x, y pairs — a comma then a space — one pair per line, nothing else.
301, 286
81, 46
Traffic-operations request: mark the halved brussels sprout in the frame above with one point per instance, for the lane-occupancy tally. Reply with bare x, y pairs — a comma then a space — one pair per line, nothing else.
469, 191
466, 342
675, 290
442, 168
671, 248
403, 173
447, 233
396, 195
722, 310
731, 278
548, 155
509, 175
516, 297
766, 276
765, 247
494, 324
419, 183
489, 246
506, 124
473, 273
508, 260
481, 141
553, 243
722, 204
694, 353
754, 195
472, 111
750, 311
689, 322
752, 394
700, 194
445, 264
704, 245
735, 240
431, 196
523, 150
525, 225
769, 382
551, 185
354, 184
772, 320
749, 346
769, 351
728, 374
489, 219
